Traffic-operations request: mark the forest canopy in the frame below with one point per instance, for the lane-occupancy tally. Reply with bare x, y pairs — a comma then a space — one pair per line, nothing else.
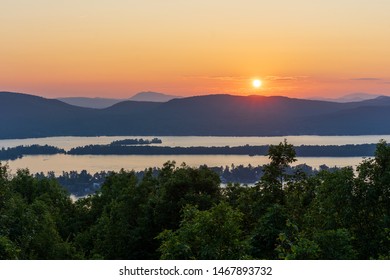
182, 212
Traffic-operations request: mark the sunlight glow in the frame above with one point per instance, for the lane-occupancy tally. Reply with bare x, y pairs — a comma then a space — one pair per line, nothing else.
256, 83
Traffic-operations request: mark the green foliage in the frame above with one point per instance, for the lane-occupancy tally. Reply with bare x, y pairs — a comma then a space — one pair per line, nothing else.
380, 176
213, 234
35, 219
325, 245
267, 231
8, 250
334, 190
385, 255
372, 210
120, 231
274, 177
335, 244
294, 245
184, 213
281, 157
126, 215
4, 185
178, 187
300, 192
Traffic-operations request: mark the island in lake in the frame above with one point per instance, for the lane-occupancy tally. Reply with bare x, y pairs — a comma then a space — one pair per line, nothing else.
122, 147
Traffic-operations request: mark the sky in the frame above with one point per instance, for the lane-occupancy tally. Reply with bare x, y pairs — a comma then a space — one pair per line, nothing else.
116, 48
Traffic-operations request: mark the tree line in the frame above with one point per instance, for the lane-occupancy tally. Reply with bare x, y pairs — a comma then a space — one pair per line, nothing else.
20, 151
123, 148
136, 141
184, 213
301, 151
84, 183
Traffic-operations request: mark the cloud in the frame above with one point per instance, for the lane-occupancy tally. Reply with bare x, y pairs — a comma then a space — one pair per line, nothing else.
366, 79
285, 78
245, 78
228, 78
220, 78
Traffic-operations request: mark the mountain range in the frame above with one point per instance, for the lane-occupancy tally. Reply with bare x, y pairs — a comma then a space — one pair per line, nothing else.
26, 115
352, 97
101, 103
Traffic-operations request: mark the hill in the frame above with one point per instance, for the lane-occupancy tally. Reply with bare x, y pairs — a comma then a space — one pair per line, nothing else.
352, 97
96, 103
153, 97
102, 103
211, 115
26, 115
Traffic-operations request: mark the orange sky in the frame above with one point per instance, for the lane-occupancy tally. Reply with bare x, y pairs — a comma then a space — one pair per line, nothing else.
105, 48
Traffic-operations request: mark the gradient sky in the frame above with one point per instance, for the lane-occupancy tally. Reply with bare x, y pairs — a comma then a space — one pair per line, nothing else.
116, 48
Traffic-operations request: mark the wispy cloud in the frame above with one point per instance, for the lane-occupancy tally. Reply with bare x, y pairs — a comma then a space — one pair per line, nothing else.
366, 79
243, 78
228, 78
220, 78
285, 78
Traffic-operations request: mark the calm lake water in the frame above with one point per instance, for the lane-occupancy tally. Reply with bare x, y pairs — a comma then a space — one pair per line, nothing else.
59, 163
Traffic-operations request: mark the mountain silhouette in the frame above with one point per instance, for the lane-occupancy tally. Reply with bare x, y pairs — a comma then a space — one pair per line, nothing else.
26, 115
352, 97
102, 103
87, 102
153, 97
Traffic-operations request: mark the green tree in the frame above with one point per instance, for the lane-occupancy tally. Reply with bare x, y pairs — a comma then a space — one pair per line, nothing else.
333, 205
266, 232
35, 218
372, 199
335, 244
213, 234
299, 193
295, 245
8, 250
118, 212
179, 186
4, 185
275, 177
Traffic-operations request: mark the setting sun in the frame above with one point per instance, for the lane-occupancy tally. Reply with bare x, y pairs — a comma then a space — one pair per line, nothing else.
256, 83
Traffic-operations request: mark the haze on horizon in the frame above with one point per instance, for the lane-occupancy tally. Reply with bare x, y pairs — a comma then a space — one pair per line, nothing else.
114, 49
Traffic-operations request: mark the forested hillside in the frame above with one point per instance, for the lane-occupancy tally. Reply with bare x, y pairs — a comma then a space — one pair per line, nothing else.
29, 116
184, 213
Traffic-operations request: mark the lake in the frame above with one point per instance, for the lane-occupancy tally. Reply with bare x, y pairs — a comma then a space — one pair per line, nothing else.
59, 163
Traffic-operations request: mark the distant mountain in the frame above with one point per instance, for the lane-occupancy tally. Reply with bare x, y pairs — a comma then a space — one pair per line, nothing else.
353, 97
356, 97
101, 103
25, 115
97, 103
153, 97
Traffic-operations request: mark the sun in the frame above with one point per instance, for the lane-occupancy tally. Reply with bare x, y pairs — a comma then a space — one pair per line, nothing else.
256, 83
